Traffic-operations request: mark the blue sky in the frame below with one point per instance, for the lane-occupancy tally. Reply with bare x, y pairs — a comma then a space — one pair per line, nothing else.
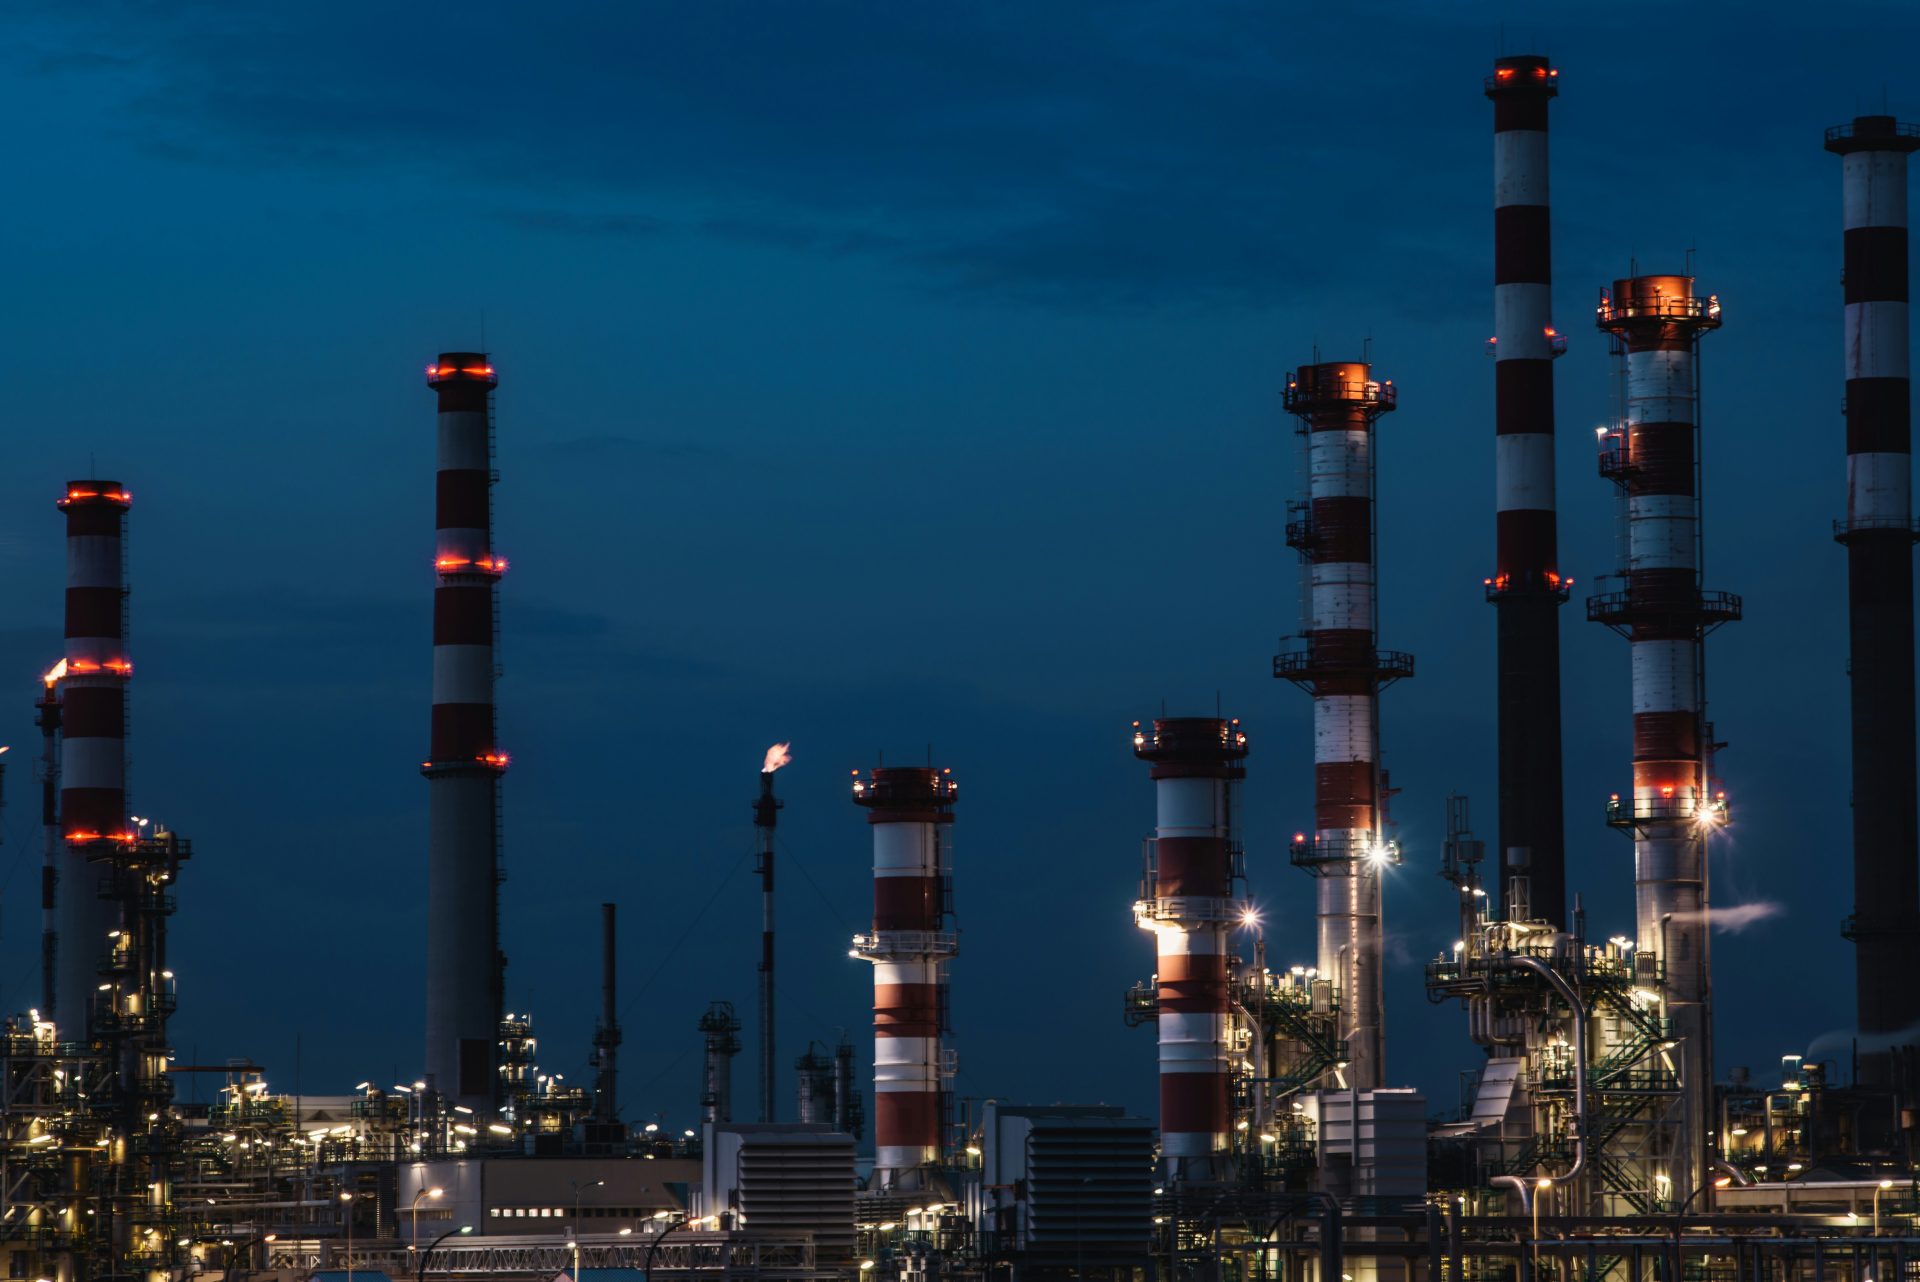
879, 377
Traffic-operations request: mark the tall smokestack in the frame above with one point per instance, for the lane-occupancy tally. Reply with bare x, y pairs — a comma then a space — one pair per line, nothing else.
606, 1037
1344, 670
720, 1028
93, 760
1653, 458
48, 719
909, 808
465, 967
1189, 904
1878, 534
766, 814
1526, 589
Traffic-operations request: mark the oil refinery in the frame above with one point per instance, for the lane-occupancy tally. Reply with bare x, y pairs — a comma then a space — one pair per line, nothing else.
1600, 1140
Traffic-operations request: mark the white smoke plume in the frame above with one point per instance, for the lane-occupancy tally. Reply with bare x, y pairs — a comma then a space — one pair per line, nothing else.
1732, 920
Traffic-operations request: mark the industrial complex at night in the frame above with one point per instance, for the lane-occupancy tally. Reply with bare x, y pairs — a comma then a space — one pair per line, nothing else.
1597, 1137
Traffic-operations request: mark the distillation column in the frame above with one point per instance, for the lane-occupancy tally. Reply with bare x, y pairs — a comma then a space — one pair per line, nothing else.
1344, 670
93, 761
48, 719
465, 967
1653, 457
1190, 904
1526, 589
1878, 534
720, 1037
910, 811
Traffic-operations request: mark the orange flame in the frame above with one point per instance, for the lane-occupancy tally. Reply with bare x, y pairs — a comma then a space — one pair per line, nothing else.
777, 756
56, 672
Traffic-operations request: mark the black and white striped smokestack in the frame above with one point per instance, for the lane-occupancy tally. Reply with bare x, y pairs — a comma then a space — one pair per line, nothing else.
1878, 533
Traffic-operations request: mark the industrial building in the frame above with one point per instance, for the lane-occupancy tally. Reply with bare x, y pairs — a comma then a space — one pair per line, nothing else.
1601, 1141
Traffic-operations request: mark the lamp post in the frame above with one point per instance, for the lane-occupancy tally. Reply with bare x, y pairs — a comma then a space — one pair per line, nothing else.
646, 1262
420, 1258
346, 1209
1883, 1186
573, 1226
1541, 1186
413, 1243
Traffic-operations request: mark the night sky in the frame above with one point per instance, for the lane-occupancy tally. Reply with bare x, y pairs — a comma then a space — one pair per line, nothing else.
889, 379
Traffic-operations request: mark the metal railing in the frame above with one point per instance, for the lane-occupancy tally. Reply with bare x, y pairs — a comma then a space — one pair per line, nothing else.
1898, 129
1664, 307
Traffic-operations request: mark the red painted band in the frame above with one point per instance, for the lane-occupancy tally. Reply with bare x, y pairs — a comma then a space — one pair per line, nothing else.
461, 732
906, 903
463, 614
1342, 529
461, 499
92, 810
1526, 544
906, 1119
1193, 1103
462, 396
1666, 736
95, 520
1193, 866
906, 1010
1661, 455
95, 612
95, 712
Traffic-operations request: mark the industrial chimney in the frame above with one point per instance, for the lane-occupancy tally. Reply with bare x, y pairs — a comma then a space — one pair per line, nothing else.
1653, 457
1526, 589
1343, 668
910, 810
1188, 902
1878, 533
93, 763
465, 967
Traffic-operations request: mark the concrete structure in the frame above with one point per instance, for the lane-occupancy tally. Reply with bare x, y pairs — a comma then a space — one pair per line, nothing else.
1189, 900
782, 1181
1879, 533
910, 811
1343, 668
465, 967
1652, 455
1066, 1185
1526, 589
93, 749
518, 1196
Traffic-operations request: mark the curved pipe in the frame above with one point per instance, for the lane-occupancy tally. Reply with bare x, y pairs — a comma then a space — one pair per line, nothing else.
1572, 999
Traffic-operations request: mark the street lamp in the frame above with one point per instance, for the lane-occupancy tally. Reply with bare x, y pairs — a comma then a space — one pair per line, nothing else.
413, 1243
646, 1262
420, 1259
346, 1208
574, 1227
1883, 1187
1542, 1186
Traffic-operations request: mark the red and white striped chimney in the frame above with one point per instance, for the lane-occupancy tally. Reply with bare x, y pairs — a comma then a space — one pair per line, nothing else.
1526, 588
1653, 457
910, 811
93, 757
1343, 668
1190, 904
465, 967
1879, 534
